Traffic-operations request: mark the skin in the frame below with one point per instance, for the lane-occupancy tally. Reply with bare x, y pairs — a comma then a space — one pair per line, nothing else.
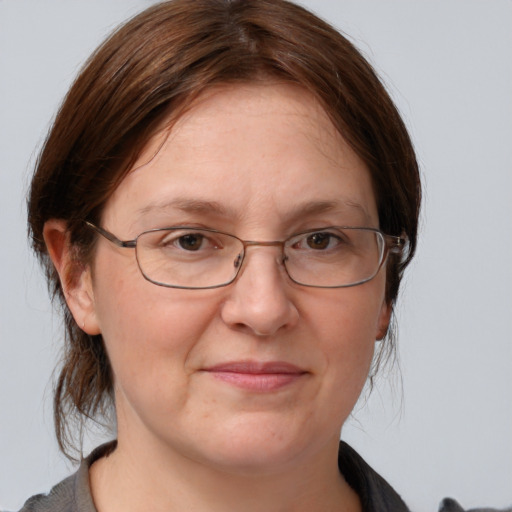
267, 156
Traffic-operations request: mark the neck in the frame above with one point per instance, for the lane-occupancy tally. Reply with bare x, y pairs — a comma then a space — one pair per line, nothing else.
137, 477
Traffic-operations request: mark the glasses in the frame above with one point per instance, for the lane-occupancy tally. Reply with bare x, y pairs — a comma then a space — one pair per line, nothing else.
191, 258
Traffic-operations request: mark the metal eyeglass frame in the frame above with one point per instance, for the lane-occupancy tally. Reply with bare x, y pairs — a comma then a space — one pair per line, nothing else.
392, 244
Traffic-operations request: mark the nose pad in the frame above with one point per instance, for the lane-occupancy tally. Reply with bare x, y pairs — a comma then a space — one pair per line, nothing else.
280, 260
238, 261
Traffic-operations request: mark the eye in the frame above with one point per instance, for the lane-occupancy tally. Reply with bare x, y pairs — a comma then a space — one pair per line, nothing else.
318, 241
191, 242
186, 241
321, 240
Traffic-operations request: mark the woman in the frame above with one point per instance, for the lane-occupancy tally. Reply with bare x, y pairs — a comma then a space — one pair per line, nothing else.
225, 206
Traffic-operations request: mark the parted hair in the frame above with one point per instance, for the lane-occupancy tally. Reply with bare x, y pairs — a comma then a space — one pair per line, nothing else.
147, 72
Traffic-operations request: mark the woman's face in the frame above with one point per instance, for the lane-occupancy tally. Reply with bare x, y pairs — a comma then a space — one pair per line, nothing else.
262, 162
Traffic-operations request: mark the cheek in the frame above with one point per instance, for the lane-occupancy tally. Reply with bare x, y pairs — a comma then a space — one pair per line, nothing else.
346, 324
347, 317
149, 331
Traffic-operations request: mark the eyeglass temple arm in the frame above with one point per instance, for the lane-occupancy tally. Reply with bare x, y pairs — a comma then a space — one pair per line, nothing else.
110, 237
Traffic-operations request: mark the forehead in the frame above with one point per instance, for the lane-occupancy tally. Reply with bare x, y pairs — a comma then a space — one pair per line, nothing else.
249, 149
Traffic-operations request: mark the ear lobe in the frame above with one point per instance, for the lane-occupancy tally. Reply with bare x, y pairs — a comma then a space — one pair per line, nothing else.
384, 320
75, 276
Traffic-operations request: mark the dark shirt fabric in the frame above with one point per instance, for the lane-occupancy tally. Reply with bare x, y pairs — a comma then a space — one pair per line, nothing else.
74, 493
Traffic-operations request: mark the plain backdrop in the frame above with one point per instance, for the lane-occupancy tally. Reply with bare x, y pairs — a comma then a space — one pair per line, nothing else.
448, 65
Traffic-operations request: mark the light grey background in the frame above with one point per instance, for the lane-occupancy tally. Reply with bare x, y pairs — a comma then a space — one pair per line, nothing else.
448, 65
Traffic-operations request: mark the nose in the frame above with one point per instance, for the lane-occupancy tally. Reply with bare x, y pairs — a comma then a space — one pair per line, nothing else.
260, 300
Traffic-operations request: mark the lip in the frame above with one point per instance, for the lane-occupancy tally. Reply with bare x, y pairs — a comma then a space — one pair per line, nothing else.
257, 376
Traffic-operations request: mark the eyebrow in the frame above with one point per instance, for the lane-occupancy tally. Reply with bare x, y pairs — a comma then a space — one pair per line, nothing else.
206, 207
318, 207
199, 206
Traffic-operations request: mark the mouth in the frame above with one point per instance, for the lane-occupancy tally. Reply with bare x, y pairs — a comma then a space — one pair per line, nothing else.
257, 376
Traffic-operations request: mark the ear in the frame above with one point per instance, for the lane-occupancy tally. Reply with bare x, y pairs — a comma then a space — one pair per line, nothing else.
75, 276
383, 320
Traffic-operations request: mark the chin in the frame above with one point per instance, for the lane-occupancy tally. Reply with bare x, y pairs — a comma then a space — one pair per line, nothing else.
255, 448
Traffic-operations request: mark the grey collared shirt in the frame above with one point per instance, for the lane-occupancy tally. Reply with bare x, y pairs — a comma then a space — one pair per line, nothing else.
74, 493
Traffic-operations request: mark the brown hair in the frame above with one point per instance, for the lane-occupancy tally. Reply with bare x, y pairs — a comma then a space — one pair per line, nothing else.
153, 67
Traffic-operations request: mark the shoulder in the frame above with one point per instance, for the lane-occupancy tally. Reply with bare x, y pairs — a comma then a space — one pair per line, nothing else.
451, 505
59, 499
72, 494
374, 492
377, 495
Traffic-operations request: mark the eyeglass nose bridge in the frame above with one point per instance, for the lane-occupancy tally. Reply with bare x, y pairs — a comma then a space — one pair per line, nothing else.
270, 243
252, 243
